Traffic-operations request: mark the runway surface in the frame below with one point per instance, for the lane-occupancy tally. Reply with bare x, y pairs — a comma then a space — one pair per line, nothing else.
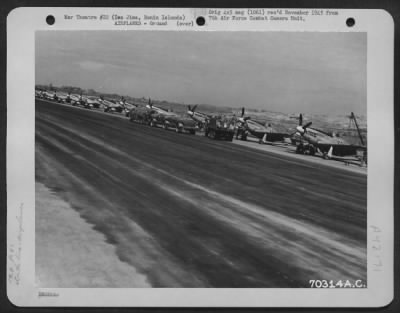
187, 211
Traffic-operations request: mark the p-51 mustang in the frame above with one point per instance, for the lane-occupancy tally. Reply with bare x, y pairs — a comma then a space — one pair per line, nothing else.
171, 120
111, 106
247, 126
127, 107
83, 101
38, 93
74, 99
200, 118
92, 101
313, 140
49, 95
62, 97
155, 116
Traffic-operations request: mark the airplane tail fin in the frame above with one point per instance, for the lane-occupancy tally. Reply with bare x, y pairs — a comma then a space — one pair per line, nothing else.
330, 152
264, 138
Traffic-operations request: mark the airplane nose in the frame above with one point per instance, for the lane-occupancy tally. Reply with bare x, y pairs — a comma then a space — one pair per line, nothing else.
300, 129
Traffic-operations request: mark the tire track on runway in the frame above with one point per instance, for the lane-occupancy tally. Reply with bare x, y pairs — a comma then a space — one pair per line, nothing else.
204, 254
161, 183
183, 226
107, 215
282, 189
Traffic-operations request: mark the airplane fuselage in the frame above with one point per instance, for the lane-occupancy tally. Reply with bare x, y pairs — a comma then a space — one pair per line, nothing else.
199, 117
316, 137
330, 144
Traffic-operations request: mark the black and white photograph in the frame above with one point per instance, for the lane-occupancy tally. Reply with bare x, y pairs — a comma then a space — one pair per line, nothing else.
225, 165
169, 159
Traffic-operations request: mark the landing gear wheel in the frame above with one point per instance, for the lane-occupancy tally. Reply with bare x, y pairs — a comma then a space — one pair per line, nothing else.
300, 149
211, 134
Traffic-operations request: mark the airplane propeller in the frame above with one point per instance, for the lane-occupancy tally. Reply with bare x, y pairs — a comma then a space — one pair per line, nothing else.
242, 118
191, 109
302, 129
299, 129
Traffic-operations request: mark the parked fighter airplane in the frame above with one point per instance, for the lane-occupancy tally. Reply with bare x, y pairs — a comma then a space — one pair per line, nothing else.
111, 106
62, 97
165, 119
264, 134
126, 106
85, 102
143, 114
49, 95
93, 101
313, 140
200, 118
74, 99
155, 116
39, 93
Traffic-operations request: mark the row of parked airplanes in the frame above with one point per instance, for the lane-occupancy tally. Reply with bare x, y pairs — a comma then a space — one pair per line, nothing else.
308, 140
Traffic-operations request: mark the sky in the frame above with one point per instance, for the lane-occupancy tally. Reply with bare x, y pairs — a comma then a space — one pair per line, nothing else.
288, 72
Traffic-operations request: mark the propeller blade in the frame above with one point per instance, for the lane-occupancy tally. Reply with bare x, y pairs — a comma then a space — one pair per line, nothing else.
194, 108
301, 119
189, 108
242, 112
307, 125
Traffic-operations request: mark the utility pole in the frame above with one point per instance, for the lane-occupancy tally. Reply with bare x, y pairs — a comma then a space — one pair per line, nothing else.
353, 117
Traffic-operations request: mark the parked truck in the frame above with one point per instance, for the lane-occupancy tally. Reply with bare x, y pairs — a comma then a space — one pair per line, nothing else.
218, 127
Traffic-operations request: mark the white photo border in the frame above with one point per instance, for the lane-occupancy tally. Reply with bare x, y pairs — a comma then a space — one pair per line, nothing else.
22, 23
